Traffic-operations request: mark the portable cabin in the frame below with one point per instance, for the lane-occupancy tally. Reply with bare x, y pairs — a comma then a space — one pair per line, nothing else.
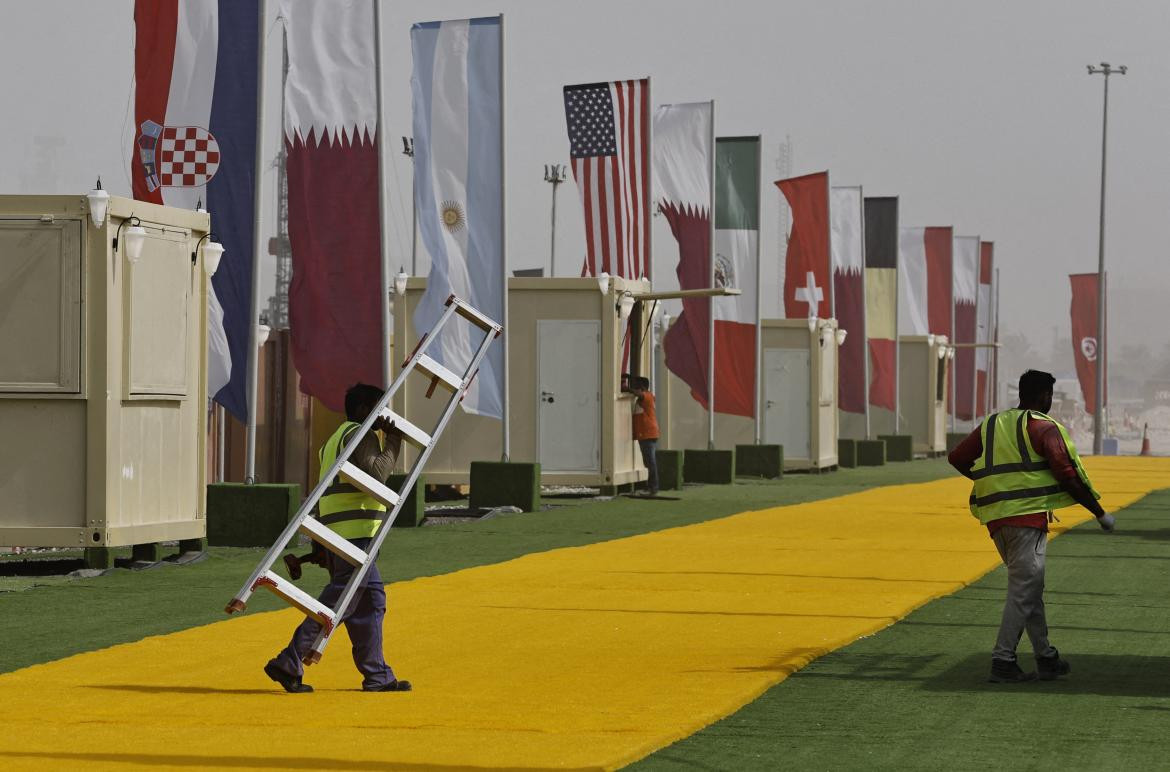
103, 372
922, 391
567, 343
798, 399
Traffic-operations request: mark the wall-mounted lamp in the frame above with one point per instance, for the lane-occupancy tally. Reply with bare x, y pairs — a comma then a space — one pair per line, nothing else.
930, 340
400, 282
135, 238
603, 282
212, 252
942, 352
262, 333
812, 324
625, 308
951, 352
99, 201
841, 337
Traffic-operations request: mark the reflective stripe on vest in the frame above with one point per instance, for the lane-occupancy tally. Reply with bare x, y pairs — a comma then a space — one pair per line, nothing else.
1010, 477
346, 509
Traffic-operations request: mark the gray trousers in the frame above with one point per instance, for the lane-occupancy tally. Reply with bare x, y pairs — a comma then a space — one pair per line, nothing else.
362, 620
1023, 551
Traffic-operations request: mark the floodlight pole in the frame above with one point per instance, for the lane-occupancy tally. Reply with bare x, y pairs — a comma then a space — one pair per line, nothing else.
554, 174
1099, 397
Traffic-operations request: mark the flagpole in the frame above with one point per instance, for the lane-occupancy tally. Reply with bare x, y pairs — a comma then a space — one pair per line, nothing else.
953, 337
254, 305
648, 165
897, 329
759, 283
864, 309
384, 232
711, 300
507, 434
975, 351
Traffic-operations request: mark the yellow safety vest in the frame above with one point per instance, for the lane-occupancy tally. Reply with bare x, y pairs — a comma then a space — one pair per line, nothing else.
1010, 477
345, 508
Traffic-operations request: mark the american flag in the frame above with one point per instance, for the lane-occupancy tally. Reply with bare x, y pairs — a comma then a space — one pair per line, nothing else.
609, 139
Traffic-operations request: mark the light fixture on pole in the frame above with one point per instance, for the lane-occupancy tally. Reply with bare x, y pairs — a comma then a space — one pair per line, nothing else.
1102, 354
262, 333
603, 282
408, 151
554, 174
99, 202
841, 336
212, 252
942, 352
812, 324
135, 238
400, 282
625, 308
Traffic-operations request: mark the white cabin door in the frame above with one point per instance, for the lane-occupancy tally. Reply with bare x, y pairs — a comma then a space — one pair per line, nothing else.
568, 409
787, 419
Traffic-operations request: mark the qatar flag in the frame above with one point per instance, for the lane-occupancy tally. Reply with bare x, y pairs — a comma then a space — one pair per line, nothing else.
924, 281
983, 334
847, 243
808, 288
966, 278
330, 131
196, 66
1087, 353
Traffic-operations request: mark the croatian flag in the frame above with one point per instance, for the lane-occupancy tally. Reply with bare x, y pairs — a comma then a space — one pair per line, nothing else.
196, 68
330, 131
459, 188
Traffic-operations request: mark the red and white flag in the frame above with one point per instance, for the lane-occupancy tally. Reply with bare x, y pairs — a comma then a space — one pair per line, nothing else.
966, 277
330, 132
924, 281
983, 328
1086, 348
848, 250
609, 144
808, 287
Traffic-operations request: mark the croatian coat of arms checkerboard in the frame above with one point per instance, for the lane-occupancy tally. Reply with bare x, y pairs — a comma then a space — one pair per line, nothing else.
177, 156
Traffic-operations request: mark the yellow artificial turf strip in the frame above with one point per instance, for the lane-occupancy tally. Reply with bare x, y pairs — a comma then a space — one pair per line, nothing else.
583, 657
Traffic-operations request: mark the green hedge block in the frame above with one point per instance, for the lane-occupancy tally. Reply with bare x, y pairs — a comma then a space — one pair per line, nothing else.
100, 558
192, 545
241, 515
871, 453
670, 470
504, 484
414, 508
899, 447
846, 453
146, 553
953, 440
713, 467
759, 461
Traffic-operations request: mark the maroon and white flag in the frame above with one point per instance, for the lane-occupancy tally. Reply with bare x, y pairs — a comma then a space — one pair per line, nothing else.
609, 143
1086, 348
847, 247
966, 277
330, 131
983, 334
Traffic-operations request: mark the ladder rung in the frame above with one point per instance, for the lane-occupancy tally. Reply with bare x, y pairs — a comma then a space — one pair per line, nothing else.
411, 432
296, 597
369, 485
327, 537
475, 317
435, 370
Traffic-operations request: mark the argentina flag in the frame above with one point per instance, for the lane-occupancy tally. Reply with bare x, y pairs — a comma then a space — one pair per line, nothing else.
459, 176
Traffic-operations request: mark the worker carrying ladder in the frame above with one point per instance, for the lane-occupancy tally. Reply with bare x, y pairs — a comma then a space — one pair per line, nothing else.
304, 522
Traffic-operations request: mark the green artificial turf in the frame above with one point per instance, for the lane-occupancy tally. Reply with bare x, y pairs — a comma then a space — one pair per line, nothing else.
915, 696
49, 622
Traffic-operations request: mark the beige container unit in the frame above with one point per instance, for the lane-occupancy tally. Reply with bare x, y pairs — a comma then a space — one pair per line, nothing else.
102, 375
568, 412
922, 402
798, 399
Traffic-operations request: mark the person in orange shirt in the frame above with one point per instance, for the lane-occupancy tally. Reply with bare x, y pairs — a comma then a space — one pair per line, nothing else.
646, 430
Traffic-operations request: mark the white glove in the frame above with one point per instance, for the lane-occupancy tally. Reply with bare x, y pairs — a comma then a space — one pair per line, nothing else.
1106, 521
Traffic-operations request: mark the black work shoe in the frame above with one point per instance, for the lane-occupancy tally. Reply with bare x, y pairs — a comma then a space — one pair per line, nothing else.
292, 684
1050, 668
393, 686
1008, 672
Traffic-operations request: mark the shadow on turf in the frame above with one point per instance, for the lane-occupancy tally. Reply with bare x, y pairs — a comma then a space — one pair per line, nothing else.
164, 689
207, 761
1107, 675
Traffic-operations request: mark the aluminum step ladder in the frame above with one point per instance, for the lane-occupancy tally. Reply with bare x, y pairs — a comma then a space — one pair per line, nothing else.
305, 523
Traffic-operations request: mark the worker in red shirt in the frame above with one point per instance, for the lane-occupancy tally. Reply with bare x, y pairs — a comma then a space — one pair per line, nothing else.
646, 430
1024, 465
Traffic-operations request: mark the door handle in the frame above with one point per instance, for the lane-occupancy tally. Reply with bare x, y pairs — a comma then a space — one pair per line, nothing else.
547, 396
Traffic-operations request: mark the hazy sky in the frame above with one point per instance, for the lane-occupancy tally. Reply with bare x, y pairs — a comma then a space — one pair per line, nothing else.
977, 114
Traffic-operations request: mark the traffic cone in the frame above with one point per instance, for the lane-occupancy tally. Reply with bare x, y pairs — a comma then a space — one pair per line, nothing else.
1145, 440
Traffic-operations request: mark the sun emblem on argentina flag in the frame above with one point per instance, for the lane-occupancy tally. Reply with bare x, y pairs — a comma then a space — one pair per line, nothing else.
453, 217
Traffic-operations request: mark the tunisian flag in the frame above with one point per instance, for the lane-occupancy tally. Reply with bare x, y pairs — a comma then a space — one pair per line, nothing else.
881, 299
848, 251
966, 276
807, 286
1084, 337
330, 128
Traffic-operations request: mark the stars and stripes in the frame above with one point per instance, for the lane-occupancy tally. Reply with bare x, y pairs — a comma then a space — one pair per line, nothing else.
608, 126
